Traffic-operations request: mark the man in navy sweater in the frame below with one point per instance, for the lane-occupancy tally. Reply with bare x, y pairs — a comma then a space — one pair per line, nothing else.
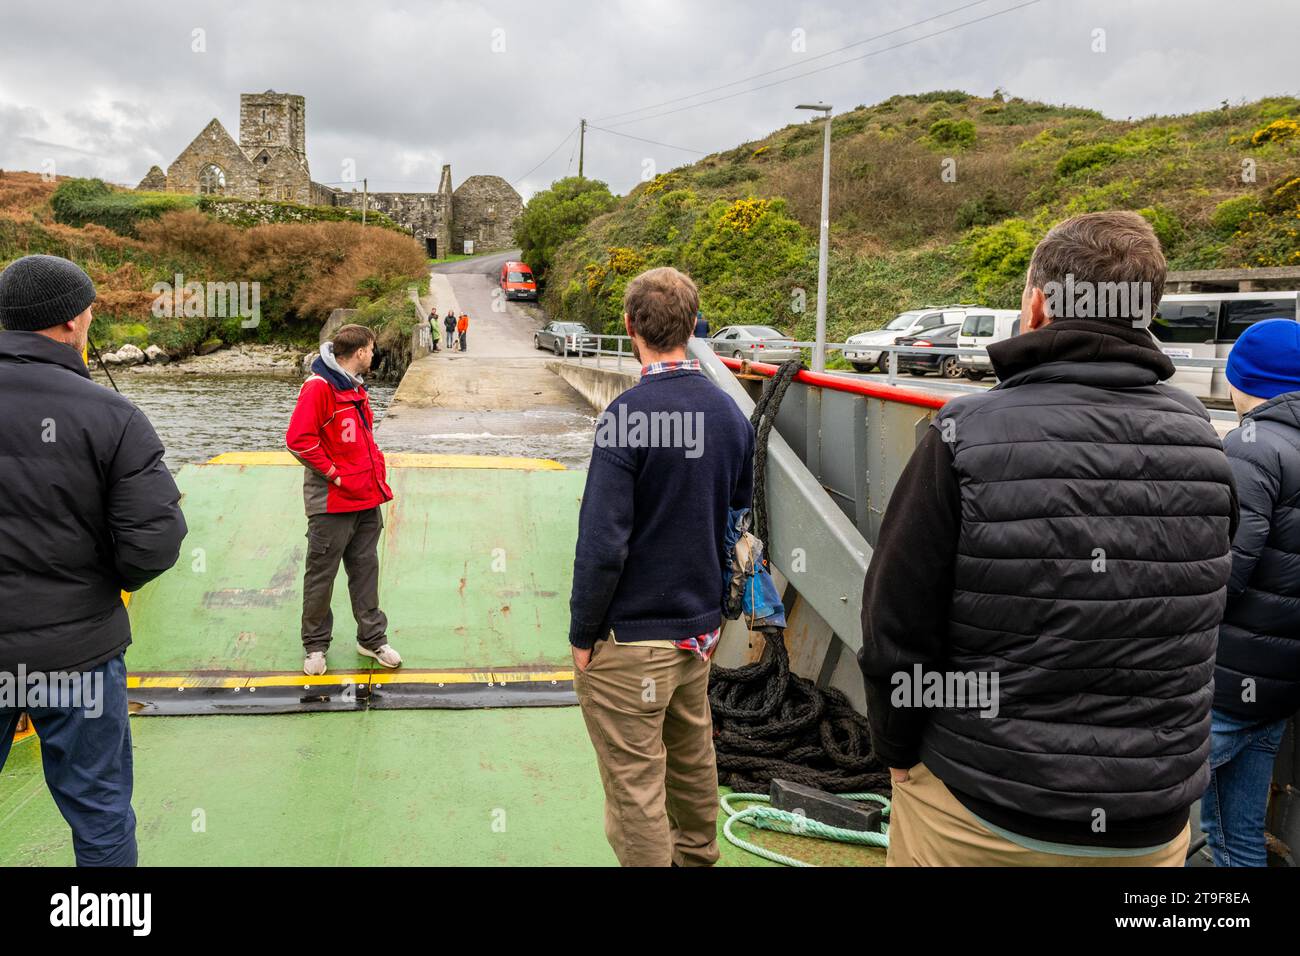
673, 456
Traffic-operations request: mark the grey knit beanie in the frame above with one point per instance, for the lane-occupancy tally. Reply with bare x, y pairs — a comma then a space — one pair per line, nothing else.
37, 292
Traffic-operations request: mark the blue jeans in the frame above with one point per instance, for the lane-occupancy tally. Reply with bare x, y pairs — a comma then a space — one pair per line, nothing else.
86, 754
1234, 806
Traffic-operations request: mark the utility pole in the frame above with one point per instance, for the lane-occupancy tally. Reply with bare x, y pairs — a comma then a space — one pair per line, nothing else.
819, 352
365, 196
582, 143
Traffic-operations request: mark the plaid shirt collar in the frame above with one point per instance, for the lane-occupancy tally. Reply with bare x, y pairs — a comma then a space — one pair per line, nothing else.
654, 368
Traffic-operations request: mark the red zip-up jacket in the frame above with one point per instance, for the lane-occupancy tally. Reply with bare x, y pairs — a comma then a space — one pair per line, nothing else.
332, 433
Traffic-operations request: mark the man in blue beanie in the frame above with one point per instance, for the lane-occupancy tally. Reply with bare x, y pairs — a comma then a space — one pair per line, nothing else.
1257, 672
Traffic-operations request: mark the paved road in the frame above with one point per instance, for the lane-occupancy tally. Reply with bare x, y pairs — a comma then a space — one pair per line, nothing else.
488, 265
497, 398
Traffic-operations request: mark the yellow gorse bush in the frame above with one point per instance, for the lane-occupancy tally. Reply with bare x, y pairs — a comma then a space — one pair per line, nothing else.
1275, 132
625, 261
743, 213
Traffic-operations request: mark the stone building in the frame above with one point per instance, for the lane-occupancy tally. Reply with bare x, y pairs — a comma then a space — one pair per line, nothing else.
270, 162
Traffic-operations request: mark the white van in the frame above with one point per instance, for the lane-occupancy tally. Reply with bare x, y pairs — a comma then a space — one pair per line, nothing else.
1206, 324
981, 328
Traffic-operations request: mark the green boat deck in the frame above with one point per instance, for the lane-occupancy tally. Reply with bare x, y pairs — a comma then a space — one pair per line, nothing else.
476, 561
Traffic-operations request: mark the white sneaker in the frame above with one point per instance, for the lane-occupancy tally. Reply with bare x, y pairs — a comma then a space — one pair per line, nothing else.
386, 655
314, 665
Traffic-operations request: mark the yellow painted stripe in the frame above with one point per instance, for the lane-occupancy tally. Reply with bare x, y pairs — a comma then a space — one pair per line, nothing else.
399, 460
192, 682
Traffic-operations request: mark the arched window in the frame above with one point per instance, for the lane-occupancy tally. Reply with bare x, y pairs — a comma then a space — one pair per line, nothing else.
212, 179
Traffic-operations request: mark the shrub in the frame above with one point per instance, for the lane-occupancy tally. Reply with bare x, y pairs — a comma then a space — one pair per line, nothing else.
1231, 213
949, 132
1165, 225
1285, 198
983, 211
78, 202
955, 97
1278, 131
554, 216
1091, 156
726, 176
997, 258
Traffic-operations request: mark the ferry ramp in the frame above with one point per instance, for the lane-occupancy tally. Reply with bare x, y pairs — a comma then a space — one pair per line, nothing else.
473, 753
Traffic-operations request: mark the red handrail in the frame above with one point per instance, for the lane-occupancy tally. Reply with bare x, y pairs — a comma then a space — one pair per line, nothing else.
890, 393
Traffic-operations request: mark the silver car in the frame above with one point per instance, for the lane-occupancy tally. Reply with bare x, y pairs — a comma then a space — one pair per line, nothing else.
758, 343
565, 337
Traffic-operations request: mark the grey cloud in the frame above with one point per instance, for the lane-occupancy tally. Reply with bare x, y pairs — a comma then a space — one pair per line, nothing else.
400, 87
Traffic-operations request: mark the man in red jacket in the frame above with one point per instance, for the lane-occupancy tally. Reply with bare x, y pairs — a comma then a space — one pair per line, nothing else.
332, 434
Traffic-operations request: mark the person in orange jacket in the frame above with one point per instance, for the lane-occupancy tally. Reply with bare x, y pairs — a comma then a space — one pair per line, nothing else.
462, 328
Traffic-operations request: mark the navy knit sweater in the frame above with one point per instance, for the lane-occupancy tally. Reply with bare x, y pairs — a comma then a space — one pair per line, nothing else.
673, 454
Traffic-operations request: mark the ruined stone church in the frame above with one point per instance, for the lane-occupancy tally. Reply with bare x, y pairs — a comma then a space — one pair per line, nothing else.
270, 162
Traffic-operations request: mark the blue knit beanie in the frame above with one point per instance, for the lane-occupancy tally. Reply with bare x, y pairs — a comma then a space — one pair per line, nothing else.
1265, 361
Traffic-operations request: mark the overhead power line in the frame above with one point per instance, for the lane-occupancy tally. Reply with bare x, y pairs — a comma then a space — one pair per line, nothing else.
804, 62
614, 132
832, 66
548, 156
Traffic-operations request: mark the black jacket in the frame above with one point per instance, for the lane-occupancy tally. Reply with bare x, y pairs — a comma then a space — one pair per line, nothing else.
1258, 672
1067, 532
87, 509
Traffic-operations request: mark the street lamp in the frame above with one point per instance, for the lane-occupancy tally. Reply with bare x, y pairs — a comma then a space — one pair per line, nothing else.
819, 352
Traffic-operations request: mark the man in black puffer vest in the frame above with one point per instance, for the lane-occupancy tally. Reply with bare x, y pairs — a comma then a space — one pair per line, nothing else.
1042, 606
1257, 680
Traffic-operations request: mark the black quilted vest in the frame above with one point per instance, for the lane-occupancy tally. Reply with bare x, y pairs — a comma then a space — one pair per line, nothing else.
1096, 515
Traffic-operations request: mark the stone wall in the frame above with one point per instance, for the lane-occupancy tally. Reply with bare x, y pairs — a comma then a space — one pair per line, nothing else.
426, 215
485, 209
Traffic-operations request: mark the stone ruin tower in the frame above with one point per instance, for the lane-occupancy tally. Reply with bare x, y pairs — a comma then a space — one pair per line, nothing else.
273, 123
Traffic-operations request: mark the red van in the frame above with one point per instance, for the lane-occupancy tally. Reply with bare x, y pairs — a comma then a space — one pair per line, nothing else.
517, 281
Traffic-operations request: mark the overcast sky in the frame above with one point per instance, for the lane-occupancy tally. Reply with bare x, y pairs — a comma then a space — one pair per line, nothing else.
398, 88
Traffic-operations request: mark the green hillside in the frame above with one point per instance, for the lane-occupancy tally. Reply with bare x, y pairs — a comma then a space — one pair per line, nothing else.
938, 197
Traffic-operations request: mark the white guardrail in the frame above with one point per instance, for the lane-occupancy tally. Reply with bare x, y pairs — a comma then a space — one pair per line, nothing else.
593, 345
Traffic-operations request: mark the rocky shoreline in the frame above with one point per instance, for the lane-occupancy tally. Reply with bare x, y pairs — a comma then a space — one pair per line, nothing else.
235, 360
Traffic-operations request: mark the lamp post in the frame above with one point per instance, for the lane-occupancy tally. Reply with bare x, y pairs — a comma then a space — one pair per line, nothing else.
819, 352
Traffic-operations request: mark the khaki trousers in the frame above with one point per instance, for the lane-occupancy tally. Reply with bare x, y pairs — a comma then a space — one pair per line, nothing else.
928, 826
647, 712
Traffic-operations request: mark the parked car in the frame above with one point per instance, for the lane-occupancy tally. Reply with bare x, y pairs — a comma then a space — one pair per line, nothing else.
859, 352
517, 281
565, 337
945, 366
758, 343
979, 330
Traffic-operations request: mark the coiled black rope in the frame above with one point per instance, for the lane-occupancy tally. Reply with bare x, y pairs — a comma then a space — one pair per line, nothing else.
769, 722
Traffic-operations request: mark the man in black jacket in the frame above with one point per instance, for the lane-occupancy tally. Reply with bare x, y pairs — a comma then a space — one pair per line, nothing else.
87, 511
1053, 706
1257, 677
